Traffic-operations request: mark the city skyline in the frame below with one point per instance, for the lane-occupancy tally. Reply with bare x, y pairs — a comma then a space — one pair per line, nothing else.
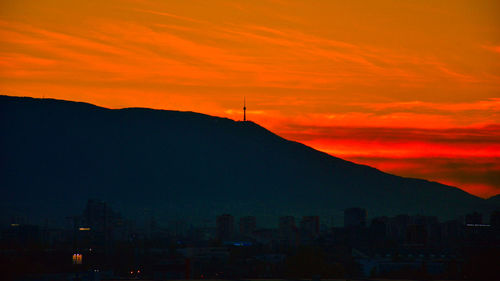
249, 140
91, 246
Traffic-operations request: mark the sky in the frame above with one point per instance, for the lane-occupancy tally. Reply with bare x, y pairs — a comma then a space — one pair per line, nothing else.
409, 87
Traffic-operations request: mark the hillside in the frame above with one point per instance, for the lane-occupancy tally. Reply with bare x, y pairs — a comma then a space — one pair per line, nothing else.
57, 154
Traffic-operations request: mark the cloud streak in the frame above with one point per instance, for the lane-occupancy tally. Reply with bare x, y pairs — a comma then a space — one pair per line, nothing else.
423, 83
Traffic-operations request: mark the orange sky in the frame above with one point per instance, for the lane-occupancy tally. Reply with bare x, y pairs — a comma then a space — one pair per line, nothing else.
409, 87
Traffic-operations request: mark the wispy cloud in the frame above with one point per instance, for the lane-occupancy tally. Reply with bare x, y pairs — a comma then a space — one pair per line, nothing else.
492, 105
313, 73
495, 49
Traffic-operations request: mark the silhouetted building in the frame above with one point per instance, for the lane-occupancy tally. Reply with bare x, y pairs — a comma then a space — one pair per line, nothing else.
98, 225
451, 231
22, 235
286, 223
248, 225
378, 228
96, 216
225, 227
355, 217
287, 230
121, 229
495, 219
177, 228
416, 234
309, 226
424, 220
265, 235
397, 227
474, 218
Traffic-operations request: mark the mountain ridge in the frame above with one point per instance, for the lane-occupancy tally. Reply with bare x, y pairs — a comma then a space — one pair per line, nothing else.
191, 165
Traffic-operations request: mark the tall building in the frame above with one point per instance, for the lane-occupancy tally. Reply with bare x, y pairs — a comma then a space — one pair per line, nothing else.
286, 223
225, 227
309, 226
451, 231
379, 228
474, 218
495, 219
287, 230
355, 217
416, 234
99, 222
178, 228
97, 215
248, 225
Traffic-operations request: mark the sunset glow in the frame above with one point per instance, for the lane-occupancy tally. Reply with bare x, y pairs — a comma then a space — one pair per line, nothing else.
409, 87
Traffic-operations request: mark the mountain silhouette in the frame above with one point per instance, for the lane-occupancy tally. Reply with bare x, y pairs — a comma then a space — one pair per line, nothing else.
56, 154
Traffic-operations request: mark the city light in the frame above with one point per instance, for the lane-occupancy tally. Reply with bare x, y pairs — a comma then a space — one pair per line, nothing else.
77, 258
477, 225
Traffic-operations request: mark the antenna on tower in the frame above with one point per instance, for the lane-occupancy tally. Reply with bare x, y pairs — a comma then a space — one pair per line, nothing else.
244, 109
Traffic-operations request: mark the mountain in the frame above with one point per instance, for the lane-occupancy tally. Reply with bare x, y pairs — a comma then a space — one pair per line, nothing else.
493, 203
55, 155
495, 198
